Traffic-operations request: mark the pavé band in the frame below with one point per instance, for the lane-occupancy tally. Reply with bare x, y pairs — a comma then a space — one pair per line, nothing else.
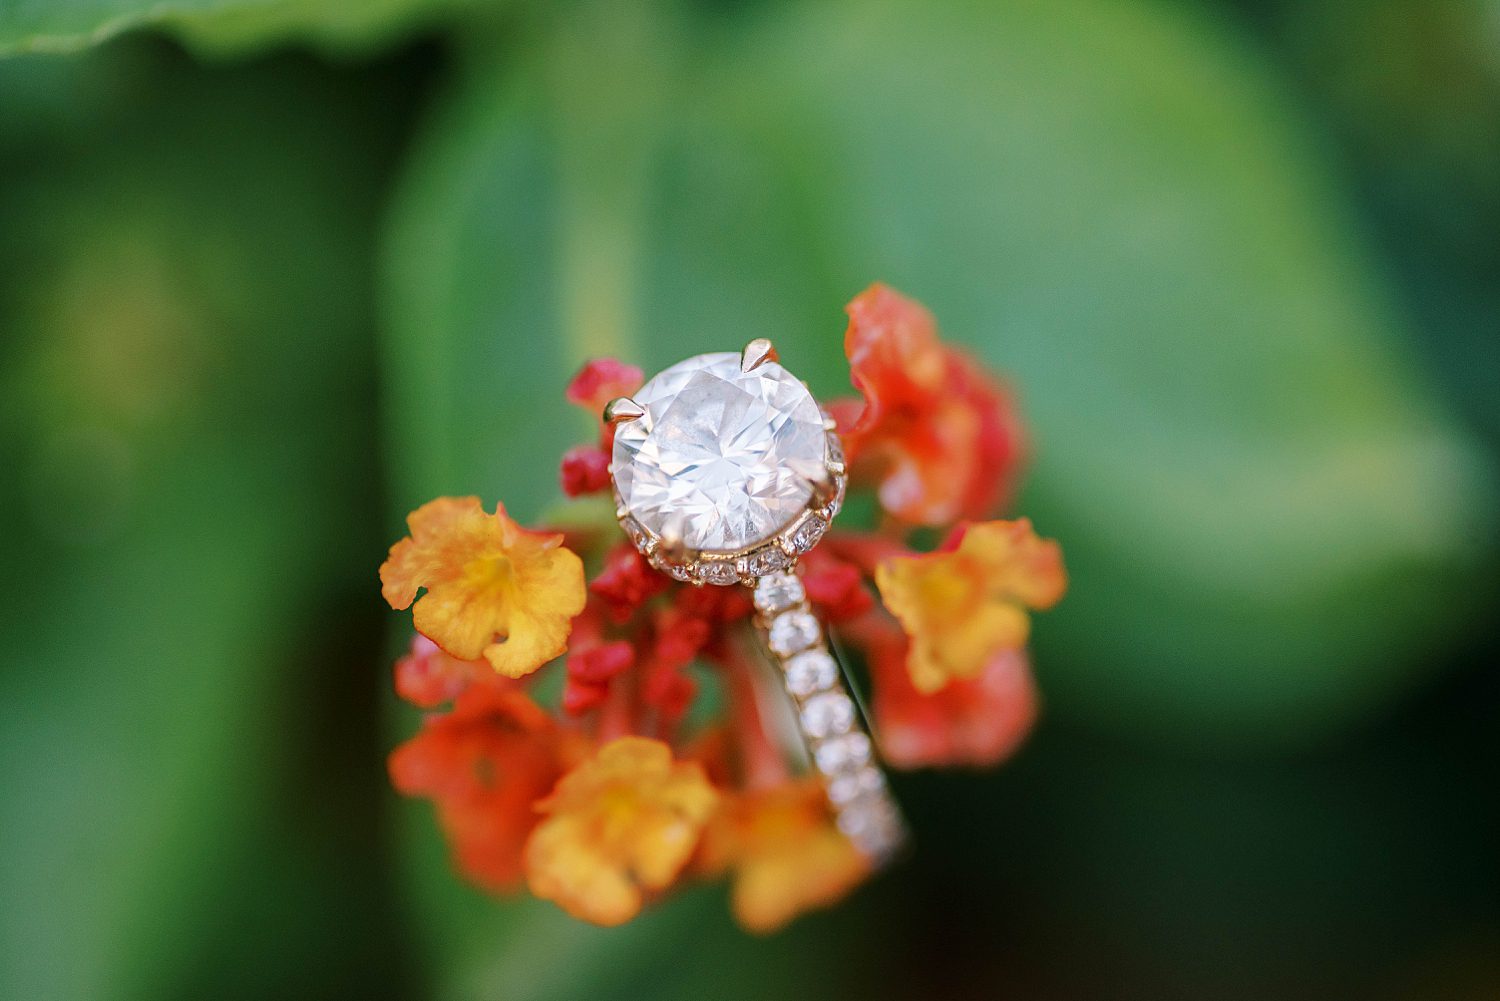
838, 745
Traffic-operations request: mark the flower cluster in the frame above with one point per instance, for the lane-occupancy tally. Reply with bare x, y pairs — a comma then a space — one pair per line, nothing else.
605, 791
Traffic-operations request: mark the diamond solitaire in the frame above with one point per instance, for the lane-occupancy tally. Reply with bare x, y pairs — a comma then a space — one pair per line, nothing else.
724, 467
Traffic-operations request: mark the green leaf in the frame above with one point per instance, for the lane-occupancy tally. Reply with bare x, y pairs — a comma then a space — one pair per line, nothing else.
186, 424
220, 27
1268, 516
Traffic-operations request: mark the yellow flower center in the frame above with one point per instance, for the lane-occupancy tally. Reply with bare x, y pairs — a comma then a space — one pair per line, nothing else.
490, 573
946, 594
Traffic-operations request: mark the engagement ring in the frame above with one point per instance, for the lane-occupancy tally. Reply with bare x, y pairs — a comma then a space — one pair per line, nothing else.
725, 472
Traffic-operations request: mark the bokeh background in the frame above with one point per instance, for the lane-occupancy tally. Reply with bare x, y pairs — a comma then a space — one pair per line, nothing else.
273, 272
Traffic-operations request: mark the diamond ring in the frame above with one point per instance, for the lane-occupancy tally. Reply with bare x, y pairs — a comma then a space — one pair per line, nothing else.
725, 471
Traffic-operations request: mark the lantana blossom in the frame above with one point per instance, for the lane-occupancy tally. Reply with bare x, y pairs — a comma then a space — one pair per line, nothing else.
783, 852
485, 764
963, 607
606, 791
936, 434
493, 589
620, 825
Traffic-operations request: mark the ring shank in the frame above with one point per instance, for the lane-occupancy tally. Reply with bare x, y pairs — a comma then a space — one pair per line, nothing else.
838, 743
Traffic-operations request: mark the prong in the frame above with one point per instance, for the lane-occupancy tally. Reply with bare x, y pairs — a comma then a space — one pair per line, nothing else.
672, 545
756, 354
824, 489
621, 409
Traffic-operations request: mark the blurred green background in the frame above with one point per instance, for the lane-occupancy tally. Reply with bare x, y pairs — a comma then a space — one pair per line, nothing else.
273, 272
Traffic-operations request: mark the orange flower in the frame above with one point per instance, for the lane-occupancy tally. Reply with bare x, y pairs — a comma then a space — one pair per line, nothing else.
784, 852
427, 677
621, 824
976, 722
493, 589
964, 606
484, 764
935, 433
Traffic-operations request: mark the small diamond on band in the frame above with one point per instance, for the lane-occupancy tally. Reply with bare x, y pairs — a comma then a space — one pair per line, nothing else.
808, 533
778, 592
845, 789
852, 750
827, 714
792, 632
810, 671
768, 560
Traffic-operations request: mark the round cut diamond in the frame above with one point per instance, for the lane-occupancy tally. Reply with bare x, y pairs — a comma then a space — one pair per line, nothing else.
778, 592
848, 751
827, 714
809, 672
722, 459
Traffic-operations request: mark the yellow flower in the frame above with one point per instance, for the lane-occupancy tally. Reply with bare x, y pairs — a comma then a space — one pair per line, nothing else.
962, 607
785, 853
493, 588
622, 823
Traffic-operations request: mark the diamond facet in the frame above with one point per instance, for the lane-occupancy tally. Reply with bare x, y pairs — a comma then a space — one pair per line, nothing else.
722, 458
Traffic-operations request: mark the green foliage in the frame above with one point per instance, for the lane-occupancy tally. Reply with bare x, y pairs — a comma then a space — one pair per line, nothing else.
227, 323
219, 26
185, 434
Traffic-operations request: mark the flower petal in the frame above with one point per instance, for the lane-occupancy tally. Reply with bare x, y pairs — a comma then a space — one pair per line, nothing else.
936, 435
602, 380
625, 821
484, 765
494, 590
785, 854
962, 608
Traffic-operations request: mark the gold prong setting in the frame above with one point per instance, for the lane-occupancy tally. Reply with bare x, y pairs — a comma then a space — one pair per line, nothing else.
622, 409
756, 354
